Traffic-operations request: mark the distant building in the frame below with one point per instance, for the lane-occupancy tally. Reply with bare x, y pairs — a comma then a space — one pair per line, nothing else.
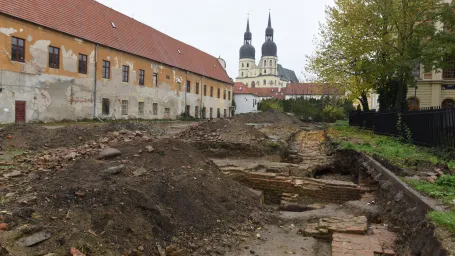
64, 59
247, 99
267, 73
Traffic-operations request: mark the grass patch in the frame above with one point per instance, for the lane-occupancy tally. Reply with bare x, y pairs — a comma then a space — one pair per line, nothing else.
396, 152
445, 220
442, 189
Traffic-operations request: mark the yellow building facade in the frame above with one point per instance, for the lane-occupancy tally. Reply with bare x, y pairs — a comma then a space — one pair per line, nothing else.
47, 75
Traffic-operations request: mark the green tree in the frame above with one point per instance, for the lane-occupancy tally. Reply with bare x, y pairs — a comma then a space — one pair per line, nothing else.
364, 45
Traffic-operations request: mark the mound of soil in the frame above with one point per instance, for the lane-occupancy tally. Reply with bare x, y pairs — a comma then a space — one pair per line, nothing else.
223, 130
169, 197
33, 136
270, 116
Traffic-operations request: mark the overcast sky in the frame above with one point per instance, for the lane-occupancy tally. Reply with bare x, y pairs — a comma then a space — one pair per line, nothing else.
217, 26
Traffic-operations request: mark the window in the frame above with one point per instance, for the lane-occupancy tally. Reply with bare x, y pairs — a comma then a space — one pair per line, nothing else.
205, 90
187, 109
219, 93
155, 79
224, 94
141, 77
270, 63
168, 77
253, 85
155, 109
218, 113
265, 71
126, 73
449, 70
204, 109
124, 107
265, 82
197, 88
225, 114
54, 54
211, 113
82, 63
141, 108
105, 106
265, 63
229, 95
248, 65
18, 49
242, 74
196, 111
414, 104
167, 113
211, 91
448, 103
242, 65
188, 86
106, 69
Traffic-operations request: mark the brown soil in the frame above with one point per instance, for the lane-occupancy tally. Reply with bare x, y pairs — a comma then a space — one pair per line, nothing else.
33, 136
271, 116
182, 202
223, 130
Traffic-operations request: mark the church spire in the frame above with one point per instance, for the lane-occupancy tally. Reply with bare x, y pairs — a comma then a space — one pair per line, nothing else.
269, 30
248, 36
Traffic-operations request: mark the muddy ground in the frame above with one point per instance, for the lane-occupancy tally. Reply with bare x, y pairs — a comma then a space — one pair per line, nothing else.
171, 189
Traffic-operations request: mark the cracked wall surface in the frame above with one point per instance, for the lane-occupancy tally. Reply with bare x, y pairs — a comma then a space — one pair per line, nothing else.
65, 94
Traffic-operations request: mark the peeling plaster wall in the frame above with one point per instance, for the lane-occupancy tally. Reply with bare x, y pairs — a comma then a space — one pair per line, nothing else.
64, 94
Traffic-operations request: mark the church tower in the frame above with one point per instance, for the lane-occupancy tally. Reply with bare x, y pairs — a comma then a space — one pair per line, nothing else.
269, 60
247, 54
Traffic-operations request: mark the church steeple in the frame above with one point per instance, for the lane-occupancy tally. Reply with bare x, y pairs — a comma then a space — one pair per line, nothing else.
269, 30
248, 36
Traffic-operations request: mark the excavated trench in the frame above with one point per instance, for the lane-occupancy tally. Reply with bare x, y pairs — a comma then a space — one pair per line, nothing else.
332, 205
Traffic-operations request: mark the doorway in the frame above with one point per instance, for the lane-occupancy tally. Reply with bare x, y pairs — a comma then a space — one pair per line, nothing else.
20, 111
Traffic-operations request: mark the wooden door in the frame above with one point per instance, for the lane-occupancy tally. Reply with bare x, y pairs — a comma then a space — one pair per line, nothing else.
20, 111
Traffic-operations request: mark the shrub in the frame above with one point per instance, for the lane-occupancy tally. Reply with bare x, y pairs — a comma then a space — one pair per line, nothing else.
332, 114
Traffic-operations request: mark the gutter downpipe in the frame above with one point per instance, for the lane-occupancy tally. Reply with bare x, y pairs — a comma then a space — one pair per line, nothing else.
94, 85
202, 97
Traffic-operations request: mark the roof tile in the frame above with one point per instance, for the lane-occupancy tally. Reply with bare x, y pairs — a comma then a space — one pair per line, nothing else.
90, 20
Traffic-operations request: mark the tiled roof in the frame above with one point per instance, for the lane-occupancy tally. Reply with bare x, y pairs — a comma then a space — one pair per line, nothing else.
310, 89
287, 74
90, 20
275, 92
291, 89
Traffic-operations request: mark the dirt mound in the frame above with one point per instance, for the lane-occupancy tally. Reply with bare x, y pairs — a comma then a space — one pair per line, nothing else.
33, 136
270, 116
169, 196
223, 130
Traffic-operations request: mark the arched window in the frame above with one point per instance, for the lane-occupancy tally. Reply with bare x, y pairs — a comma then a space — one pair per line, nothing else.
265, 63
253, 84
270, 63
448, 103
265, 82
414, 104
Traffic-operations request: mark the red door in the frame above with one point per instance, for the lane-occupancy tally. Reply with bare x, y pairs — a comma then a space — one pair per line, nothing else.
20, 111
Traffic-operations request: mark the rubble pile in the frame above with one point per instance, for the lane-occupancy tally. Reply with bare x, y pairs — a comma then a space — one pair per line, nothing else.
123, 194
270, 116
36, 137
59, 158
223, 130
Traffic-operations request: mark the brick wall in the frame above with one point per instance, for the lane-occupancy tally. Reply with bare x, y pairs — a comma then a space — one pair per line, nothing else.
309, 190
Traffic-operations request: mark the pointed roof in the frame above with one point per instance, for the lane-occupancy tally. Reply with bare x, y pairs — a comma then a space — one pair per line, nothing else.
269, 29
248, 35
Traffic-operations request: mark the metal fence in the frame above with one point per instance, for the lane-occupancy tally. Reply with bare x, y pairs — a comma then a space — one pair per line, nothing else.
429, 126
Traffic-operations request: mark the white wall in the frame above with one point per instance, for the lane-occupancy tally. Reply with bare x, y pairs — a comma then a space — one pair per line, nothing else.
244, 103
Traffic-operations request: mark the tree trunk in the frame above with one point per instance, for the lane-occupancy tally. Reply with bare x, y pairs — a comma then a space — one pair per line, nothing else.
364, 101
